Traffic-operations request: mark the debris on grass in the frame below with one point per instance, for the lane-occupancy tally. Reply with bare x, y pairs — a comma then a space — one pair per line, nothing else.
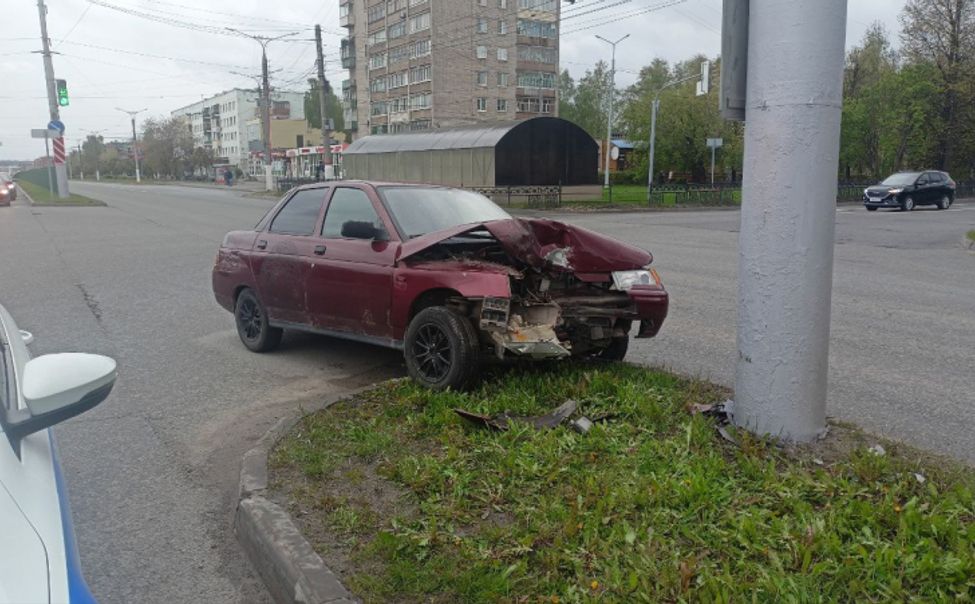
407, 503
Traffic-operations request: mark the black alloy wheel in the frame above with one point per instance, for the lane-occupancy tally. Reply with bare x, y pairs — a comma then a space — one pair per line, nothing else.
441, 349
908, 204
252, 324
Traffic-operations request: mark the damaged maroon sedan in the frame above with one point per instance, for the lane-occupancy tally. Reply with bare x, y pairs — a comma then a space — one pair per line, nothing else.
442, 274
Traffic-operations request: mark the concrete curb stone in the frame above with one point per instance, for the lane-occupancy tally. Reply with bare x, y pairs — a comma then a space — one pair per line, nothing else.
291, 570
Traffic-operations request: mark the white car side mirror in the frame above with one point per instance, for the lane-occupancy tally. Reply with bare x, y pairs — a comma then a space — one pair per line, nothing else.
57, 387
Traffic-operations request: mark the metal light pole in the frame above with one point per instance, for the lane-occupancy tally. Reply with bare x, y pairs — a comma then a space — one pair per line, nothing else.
609, 116
654, 110
785, 267
265, 100
135, 141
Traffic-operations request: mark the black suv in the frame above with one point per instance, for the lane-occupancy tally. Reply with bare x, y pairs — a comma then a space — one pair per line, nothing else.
905, 190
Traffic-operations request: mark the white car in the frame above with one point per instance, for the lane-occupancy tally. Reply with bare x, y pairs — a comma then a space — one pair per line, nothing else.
38, 556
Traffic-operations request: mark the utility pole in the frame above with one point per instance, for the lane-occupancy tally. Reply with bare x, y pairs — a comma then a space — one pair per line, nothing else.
793, 106
81, 163
52, 103
609, 116
135, 141
265, 101
323, 101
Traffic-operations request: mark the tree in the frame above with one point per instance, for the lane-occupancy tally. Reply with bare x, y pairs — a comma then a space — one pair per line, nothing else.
941, 33
91, 151
588, 103
202, 160
167, 147
567, 96
334, 109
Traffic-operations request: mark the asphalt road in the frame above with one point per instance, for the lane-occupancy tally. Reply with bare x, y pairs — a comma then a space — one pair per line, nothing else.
152, 471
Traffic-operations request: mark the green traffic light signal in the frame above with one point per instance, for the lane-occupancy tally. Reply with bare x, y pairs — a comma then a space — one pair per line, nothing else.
62, 86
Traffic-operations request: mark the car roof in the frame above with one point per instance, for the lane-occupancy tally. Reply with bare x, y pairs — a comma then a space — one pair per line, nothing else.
371, 183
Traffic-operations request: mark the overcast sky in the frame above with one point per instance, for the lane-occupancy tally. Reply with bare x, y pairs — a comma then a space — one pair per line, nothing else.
113, 58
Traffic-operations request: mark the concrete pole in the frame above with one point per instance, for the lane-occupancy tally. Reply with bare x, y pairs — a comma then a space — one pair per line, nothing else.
609, 112
785, 270
135, 152
266, 115
714, 150
52, 95
654, 107
323, 102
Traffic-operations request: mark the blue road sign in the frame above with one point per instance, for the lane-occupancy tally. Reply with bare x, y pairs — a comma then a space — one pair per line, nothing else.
56, 125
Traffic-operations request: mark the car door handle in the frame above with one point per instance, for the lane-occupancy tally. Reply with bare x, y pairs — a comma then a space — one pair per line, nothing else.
319, 250
261, 244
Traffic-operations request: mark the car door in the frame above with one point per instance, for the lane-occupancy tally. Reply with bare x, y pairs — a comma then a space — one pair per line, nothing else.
939, 186
283, 253
350, 283
923, 189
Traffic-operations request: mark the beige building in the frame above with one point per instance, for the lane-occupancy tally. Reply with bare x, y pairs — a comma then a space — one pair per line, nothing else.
420, 64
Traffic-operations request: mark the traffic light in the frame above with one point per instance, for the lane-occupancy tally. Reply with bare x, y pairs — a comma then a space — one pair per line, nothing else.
62, 86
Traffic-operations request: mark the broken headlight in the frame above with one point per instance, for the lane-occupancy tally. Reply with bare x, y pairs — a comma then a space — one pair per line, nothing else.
624, 280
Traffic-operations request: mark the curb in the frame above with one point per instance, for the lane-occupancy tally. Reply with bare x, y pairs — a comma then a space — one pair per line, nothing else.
291, 570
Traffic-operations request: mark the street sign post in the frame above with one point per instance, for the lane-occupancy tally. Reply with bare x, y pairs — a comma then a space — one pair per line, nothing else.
48, 134
714, 144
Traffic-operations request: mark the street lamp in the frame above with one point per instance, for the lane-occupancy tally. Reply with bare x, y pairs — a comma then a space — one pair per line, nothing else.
609, 116
135, 140
703, 88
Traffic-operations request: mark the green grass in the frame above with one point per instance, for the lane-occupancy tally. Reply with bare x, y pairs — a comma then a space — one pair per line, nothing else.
625, 196
971, 235
43, 197
413, 504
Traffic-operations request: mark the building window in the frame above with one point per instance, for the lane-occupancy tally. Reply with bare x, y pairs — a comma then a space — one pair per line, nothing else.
502, 3
536, 79
482, 78
537, 29
378, 108
481, 25
375, 13
397, 30
502, 54
538, 54
482, 52
481, 104
420, 23
502, 79
377, 84
502, 27
421, 101
502, 105
377, 38
395, 80
482, 2
540, 5
420, 74
377, 61
420, 125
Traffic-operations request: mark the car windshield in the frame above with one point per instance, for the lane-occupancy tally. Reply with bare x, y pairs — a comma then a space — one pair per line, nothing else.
901, 179
420, 210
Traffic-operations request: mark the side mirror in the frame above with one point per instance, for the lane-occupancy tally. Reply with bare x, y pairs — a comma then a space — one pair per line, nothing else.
360, 229
57, 387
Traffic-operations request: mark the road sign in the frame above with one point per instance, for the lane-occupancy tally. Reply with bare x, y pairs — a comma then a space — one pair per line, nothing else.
715, 143
56, 125
42, 133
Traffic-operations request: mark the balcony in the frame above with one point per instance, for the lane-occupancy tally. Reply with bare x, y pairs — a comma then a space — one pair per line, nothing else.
348, 53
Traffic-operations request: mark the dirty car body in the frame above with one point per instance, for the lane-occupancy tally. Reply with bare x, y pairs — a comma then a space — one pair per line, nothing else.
443, 274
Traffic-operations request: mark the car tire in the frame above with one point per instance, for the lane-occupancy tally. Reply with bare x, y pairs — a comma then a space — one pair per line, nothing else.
252, 324
944, 203
908, 204
871, 208
616, 351
441, 349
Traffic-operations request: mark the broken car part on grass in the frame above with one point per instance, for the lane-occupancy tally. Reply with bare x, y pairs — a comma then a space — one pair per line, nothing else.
554, 418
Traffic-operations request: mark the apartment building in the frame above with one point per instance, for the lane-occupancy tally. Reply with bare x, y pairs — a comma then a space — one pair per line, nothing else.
420, 64
220, 122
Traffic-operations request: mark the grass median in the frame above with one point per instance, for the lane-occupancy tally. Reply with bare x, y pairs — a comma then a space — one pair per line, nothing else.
41, 196
407, 502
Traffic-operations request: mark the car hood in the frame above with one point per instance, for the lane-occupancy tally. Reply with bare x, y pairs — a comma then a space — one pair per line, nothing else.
541, 243
883, 189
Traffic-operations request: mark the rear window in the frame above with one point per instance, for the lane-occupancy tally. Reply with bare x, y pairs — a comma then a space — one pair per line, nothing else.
300, 214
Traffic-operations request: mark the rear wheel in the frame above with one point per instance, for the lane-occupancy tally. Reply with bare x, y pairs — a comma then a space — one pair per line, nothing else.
252, 324
944, 203
616, 351
908, 204
441, 349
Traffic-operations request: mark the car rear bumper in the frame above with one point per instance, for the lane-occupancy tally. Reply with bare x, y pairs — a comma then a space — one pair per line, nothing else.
652, 304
